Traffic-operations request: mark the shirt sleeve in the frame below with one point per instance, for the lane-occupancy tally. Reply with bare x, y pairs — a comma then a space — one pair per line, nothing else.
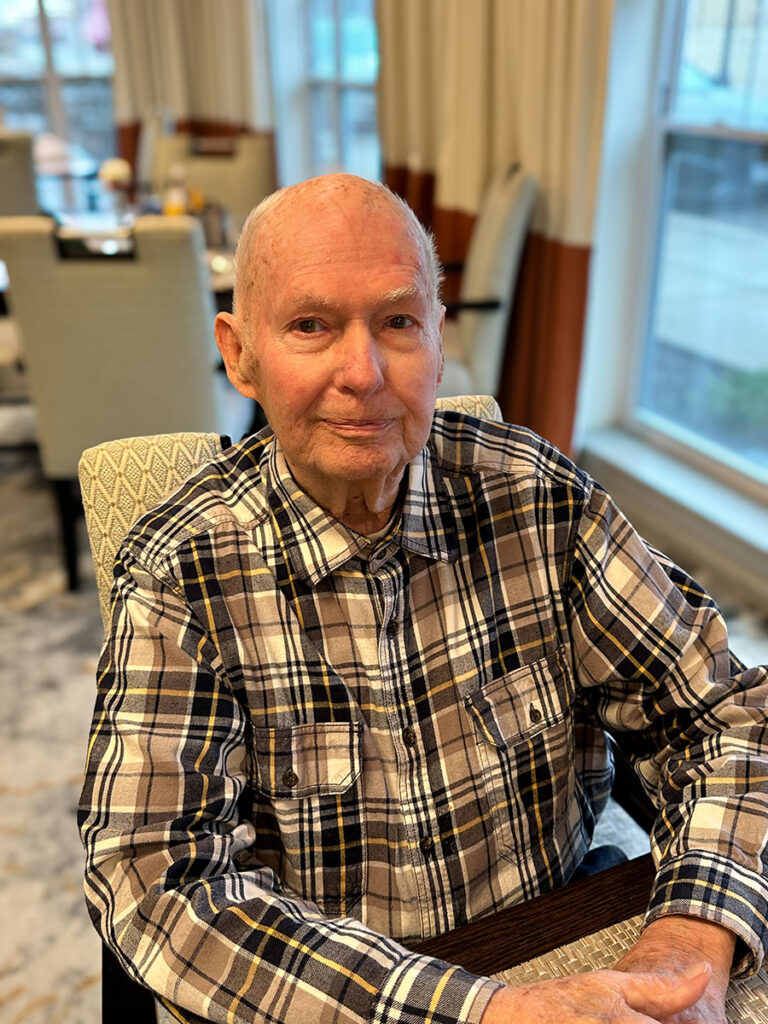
172, 883
652, 660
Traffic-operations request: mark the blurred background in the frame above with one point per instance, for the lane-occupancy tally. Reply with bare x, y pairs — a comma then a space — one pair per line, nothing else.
596, 177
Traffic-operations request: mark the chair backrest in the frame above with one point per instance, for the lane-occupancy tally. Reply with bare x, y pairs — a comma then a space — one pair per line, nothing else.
161, 152
490, 272
238, 181
120, 480
114, 346
17, 175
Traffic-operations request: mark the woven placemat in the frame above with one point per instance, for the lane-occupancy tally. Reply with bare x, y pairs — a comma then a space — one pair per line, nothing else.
746, 1002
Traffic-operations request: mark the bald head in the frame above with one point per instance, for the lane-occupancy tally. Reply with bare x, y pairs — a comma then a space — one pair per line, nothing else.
337, 333
268, 227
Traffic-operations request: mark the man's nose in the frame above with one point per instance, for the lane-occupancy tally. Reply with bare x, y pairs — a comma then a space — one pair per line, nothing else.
361, 362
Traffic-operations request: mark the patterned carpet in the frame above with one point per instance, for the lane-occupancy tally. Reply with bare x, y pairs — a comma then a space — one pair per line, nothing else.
49, 642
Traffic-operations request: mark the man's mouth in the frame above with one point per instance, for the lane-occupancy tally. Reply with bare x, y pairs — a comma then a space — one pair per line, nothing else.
358, 426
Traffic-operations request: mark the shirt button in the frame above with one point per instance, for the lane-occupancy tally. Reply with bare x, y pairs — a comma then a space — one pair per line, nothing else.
392, 629
535, 714
426, 844
409, 736
290, 778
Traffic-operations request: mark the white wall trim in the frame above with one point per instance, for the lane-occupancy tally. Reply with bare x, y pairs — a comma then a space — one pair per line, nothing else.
694, 518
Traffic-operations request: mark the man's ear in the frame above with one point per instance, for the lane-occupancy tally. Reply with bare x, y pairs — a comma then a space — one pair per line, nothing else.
229, 341
441, 371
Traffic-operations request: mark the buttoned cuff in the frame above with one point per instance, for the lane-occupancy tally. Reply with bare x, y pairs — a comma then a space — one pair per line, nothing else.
421, 988
716, 889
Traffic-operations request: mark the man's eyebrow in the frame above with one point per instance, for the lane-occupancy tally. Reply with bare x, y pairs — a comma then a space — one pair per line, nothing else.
408, 293
310, 301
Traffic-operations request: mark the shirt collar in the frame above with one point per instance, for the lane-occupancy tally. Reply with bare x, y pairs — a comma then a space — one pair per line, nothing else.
315, 543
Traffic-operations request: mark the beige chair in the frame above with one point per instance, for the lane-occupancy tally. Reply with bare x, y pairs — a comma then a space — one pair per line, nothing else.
17, 174
119, 481
115, 346
475, 341
237, 181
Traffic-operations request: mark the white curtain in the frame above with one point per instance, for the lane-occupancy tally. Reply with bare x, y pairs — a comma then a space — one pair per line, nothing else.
466, 89
550, 61
198, 60
409, 82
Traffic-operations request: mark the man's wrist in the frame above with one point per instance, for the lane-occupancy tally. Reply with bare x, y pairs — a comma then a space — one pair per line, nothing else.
708, 887
687, 939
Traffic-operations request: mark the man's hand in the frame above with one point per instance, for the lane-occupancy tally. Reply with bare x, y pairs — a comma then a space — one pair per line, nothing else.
615, 996
672, 944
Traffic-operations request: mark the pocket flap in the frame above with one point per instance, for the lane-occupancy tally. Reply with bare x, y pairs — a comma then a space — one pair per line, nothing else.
522, 704
307, 760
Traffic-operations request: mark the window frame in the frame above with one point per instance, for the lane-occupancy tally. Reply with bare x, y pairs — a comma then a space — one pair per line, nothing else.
709, 458
338, 85
57, 119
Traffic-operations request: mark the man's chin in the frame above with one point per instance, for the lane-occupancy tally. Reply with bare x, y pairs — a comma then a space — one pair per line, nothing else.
361, 465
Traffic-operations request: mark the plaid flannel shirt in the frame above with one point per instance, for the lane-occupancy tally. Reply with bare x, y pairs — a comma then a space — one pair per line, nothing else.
309, 747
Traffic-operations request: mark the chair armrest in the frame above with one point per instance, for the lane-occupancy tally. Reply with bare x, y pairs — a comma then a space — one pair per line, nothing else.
478, 305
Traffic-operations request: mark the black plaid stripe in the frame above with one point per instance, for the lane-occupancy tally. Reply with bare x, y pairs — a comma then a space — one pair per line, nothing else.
295, 724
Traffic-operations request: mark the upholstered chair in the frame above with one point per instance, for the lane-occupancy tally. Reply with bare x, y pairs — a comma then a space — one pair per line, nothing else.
114, 345
475, 341
17, 174
237, 181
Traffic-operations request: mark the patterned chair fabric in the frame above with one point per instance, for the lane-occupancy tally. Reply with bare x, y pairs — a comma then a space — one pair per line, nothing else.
120, 480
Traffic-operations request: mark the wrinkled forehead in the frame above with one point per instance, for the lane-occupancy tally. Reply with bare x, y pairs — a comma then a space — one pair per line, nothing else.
319, 225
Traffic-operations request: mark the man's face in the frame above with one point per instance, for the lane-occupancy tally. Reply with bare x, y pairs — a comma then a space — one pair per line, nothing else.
342, 341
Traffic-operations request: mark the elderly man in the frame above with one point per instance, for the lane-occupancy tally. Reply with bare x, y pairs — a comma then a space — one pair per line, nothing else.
359, 669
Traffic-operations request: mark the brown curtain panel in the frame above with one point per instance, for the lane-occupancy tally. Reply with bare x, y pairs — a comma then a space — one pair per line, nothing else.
540, 374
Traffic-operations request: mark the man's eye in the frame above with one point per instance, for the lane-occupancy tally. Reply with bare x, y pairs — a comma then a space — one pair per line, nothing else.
308, 326
400, 323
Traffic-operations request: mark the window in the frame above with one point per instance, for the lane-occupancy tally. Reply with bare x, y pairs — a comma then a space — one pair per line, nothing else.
56, 79
704, 371
325, 59
343, 60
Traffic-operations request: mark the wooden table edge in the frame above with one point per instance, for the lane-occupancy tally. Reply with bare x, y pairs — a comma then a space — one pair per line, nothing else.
529, 929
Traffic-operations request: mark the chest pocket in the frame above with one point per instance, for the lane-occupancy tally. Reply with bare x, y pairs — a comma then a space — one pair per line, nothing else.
307, 778
524, 731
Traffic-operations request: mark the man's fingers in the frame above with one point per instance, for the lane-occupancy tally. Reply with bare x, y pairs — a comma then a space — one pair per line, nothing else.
660, 996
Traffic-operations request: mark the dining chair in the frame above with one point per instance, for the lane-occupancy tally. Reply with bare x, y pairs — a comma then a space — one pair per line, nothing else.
17, 174
474, 342
236, 180
114, 345
119, 481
